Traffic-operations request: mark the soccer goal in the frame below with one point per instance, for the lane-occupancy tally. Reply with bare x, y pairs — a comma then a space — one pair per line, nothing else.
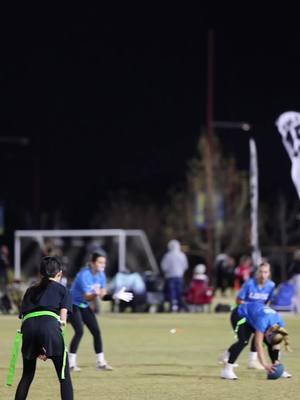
123, 246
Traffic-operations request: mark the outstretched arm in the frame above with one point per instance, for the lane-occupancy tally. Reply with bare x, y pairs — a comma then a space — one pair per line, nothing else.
259, 338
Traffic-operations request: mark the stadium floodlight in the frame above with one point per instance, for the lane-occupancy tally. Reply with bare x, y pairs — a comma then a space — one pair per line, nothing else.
120, 234
244, 126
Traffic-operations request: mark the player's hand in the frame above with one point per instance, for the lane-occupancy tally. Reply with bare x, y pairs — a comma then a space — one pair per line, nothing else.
270, 368
62, 323
98, 291
123, 295
43, 356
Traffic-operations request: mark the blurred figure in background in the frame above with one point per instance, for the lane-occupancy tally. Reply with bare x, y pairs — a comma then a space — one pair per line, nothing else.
174, 264
4, 266
294, 275
224, 270
132, 282
199, 294
155, 291
243, 272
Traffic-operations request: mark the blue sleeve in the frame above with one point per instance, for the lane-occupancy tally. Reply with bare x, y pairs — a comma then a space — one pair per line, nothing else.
84, 284
103, 281
271, 294
243, 293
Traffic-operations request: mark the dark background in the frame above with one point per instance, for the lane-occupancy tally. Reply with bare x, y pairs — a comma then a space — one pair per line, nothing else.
119, 102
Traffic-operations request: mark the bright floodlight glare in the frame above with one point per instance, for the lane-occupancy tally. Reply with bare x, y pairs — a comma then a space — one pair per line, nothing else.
246, 127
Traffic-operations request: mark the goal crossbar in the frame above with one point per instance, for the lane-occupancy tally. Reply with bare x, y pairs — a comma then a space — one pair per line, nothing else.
122, 234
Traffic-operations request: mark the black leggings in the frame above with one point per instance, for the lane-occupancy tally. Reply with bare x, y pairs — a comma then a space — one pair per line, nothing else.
244, 333
66, 388
78, 318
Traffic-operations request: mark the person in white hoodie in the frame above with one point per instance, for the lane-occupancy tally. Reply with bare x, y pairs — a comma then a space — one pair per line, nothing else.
174, 264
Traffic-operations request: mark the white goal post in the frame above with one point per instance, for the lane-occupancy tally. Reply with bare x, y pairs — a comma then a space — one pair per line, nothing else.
121, 234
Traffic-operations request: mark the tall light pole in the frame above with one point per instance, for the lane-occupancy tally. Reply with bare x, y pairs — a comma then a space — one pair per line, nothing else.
253, 185
209, 154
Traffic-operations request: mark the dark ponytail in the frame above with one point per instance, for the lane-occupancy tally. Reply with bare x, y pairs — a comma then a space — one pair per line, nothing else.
49, 268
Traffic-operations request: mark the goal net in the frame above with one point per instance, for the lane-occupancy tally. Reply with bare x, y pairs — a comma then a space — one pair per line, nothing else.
125, 248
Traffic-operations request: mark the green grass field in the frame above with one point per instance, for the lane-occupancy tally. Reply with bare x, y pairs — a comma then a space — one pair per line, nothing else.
151, 363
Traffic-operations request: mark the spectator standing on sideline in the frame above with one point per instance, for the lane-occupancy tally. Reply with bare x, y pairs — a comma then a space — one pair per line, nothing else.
174, 264
4, 266
224, 271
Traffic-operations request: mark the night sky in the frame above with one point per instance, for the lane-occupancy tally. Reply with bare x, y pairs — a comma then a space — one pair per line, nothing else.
117, 103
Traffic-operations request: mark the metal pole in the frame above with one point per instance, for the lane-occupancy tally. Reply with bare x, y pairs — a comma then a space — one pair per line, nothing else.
209, 164
17, 257
256, 256
122, 251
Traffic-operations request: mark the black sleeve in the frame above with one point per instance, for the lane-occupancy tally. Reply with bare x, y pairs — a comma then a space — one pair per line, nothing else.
25, 301
66, 301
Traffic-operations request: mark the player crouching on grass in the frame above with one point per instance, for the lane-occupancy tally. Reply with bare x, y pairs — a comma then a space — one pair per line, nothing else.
267, 325
258, 289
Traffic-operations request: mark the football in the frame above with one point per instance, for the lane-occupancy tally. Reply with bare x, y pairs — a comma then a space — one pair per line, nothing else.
279, 368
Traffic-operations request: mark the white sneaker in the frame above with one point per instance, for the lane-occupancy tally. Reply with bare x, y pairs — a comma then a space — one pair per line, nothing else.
104, 367
255, 364
74, 368
286, 375
227, 373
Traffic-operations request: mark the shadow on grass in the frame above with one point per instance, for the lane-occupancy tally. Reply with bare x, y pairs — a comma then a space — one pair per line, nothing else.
163, 374
155, 365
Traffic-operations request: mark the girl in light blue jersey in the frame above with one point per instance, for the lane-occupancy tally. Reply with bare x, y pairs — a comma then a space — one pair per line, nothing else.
268, 327
258, 289
90, 283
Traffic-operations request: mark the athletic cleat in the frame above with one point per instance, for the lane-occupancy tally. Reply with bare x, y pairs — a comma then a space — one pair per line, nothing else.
104, 367
75, 368
286, 375
228, 373
255, 364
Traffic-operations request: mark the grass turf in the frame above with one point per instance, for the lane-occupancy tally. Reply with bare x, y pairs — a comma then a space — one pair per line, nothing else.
151, 363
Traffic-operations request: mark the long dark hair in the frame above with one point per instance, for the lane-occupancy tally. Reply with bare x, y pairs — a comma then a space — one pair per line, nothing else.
49, 268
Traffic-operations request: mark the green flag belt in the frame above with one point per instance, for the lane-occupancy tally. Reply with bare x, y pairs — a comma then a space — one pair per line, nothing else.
17, 342
240, 322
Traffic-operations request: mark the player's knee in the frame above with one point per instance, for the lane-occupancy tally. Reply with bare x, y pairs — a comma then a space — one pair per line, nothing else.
96, 333
79, 332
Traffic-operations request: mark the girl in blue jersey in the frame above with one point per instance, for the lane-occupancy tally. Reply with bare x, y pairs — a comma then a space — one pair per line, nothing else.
258, 289
89, 284
268, 327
